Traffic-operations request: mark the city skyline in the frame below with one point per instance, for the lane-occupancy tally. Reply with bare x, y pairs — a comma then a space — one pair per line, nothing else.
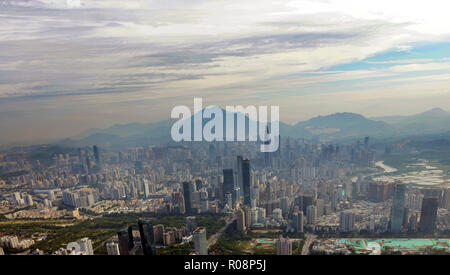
68, 66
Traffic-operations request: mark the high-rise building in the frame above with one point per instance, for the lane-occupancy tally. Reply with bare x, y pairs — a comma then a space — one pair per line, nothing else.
191, 223
380, 191
267, 155
188, 197
240, 220
158, 233
347, 222
123, 242
112, 248
320, 204
261, 215
246, 181
229, 200
406, 214
86, 246
284, 204
298, 221
130, 237
445, 203
284, 246
146, 188
366, 143
248, 216
304, 201
96, 154
228, 182
277, 214
147, 237
398, 208
311, 214
212, 154
240, 176
412, 224
414, 201
428, 215
200, 241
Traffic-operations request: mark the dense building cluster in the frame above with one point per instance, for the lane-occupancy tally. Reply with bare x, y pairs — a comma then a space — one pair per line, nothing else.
304, 187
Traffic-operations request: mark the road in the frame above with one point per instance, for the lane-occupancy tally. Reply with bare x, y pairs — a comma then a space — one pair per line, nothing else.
213, 239
310, 238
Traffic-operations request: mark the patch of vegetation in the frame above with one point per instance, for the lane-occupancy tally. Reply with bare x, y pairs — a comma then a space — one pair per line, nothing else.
265, 249
400, 162
176, 249
297, 247
233, 244
98, 230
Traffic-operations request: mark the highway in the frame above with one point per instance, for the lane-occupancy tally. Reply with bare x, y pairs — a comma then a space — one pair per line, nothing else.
310, 238
213, 239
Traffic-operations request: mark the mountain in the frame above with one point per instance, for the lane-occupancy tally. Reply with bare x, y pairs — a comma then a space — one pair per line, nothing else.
142, 134
436, 112
389, 119
430, 122
123, 130
338, 126
93, 139
433, 113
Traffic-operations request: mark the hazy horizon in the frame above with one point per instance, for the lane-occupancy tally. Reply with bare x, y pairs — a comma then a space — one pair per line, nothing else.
71, 65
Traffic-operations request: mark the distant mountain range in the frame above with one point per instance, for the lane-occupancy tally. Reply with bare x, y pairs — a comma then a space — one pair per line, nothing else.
331, 127
429, 122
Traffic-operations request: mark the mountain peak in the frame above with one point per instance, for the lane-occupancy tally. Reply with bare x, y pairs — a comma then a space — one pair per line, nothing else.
435, 112
345, 116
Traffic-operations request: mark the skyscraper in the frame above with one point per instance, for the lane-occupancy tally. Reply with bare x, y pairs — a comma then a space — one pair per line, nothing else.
228, 182
158, 231
298, 221
147, 237
146, 188
130, 237
366, 143
445, 203
311, 214
112, 248
86, 246
347, 222
239, 176
284, 246
428, 215
96, 154
123, 242
187, 191
267, 155
305, 201
398, 208
200, 241
212, 154
191, 223
246, 181
240, 220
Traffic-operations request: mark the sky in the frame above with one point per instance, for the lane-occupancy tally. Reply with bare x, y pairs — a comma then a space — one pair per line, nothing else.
70, 65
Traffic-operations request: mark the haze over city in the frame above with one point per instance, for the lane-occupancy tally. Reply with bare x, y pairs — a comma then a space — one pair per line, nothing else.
67, 66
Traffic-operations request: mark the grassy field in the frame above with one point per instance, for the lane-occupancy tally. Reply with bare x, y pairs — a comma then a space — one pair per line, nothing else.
246, 244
